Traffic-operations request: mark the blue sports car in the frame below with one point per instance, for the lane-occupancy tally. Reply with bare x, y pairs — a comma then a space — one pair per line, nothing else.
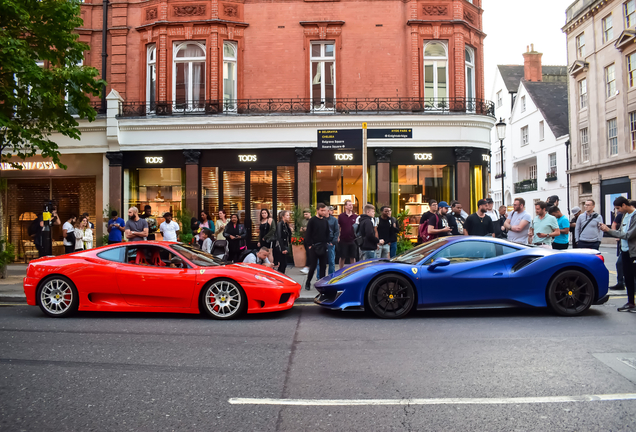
466, 271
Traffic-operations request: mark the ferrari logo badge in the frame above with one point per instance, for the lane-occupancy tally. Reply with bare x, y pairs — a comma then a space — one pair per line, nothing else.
202, 271
414, 270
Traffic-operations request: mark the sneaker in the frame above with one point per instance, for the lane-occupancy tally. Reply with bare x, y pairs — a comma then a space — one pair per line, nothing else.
304, 270
627, 307
617, 287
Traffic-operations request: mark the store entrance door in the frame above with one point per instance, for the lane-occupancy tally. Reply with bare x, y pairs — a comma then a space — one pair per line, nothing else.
245, 193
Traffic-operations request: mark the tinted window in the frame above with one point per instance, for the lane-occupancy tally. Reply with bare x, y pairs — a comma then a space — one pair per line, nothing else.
420, 252
147, 255
468, 251
115, 254
505, 250
197, 257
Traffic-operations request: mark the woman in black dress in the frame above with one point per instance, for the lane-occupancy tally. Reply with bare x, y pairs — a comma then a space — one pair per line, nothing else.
235, 235
266, 238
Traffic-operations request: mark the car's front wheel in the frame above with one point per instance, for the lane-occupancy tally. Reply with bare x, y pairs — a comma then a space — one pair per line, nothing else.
391, 296
57, 297
570, 293
223, 299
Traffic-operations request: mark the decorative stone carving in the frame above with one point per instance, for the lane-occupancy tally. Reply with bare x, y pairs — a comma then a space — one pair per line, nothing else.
115, 158
469, 16
230, 10
151, 14
303, 154
189, 10
435, 10
383, 154
462, 154
191, 157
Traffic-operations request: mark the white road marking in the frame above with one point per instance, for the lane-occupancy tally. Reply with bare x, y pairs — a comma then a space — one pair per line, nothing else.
435, 401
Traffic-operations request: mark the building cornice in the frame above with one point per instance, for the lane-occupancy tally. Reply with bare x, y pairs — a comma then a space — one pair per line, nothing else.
581, 17
623, 161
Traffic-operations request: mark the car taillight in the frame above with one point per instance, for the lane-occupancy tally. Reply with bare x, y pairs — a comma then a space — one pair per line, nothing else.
601, 257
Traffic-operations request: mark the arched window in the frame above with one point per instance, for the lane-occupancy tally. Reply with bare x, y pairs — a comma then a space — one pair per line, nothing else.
435, 70
151, 77
470, 78
229, 75
188, 85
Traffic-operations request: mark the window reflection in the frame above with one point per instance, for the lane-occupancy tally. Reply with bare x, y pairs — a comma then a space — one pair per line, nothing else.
335, 183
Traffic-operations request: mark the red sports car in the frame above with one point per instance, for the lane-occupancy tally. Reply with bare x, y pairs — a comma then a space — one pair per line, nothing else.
155, 277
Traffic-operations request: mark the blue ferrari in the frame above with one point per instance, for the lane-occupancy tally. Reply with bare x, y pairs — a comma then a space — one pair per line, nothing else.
466, 271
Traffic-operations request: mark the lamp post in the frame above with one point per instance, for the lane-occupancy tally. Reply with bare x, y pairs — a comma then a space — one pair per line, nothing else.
501, 134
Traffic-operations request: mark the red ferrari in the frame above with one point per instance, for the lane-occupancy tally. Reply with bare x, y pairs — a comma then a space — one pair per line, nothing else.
155, 277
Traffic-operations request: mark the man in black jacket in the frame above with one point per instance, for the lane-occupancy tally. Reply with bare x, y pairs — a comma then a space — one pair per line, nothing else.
316, 238
387, 233
367, 232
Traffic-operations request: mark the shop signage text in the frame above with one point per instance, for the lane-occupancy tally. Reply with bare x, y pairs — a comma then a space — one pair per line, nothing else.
344, 156
154, 159
30, 166
423, 156
343, 139
389, 133
247, 158
485, 158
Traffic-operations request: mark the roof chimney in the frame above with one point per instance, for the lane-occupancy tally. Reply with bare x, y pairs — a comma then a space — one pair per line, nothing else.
532, 70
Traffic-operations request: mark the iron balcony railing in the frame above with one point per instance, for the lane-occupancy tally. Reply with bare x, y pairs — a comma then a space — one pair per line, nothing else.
526, 186
97, 106
310, 106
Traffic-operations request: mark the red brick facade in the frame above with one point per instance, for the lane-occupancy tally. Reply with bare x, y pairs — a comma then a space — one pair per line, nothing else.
378, 44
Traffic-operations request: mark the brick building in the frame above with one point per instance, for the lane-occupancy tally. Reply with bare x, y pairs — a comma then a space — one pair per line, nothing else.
220, 104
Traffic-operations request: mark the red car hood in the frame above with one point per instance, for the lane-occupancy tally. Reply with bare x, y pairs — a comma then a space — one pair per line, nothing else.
257, 268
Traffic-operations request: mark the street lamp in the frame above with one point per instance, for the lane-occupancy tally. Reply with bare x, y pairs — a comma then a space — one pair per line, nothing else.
501, 134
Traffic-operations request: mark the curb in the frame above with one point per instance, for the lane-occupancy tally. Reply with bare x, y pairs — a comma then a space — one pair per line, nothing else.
304, 300
13, 299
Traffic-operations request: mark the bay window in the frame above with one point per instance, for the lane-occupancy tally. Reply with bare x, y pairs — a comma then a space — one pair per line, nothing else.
229, 76
435, 71
188, 85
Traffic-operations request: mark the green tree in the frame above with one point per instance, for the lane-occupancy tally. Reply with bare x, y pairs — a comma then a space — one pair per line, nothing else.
39, 57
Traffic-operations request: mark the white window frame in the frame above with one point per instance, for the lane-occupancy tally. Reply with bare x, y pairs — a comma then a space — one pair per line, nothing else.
610, 81
552, 163
470, 65
608, 28
585, 145
523, 104
580, 46
322, 59
231, 105
435, 75
499, 99
525, 136
612, 137
177, 46
150, 66
632, 129
532, 172
630, 17
631, 70
583, 94
541, 130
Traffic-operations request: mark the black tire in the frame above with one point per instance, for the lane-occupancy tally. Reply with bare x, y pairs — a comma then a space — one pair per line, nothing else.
57, 297
570, 293
223, 299
391, 296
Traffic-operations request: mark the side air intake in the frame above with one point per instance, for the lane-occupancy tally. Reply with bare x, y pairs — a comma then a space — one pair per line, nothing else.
525, 262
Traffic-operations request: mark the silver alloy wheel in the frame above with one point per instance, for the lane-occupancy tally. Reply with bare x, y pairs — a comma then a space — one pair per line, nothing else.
56, 296
223, 299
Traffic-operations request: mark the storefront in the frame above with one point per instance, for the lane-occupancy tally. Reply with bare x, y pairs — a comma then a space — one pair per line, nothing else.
75, 190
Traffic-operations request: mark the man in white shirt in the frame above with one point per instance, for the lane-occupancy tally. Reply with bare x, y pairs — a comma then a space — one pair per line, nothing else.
169, 228
518, 222
69, 227
259, 257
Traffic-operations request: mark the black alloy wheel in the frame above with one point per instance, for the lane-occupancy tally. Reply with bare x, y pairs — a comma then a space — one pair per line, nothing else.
570, 293
391, 296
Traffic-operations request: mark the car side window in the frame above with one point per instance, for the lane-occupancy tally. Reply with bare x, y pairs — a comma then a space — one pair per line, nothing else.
148, 255
115, 254
505, 250
466, 251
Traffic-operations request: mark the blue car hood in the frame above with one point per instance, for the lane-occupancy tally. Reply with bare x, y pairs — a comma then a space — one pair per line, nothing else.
374, 265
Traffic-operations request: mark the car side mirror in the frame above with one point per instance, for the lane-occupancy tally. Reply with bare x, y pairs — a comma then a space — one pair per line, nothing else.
439, 262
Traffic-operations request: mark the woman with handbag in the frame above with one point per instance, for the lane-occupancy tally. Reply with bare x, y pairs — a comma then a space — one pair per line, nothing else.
235, 235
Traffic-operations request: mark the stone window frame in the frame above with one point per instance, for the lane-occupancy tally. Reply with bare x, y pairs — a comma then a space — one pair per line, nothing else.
446, 59
607, 30
580, 45
176, 47
612, 136
610, 80
585, 144
582, 84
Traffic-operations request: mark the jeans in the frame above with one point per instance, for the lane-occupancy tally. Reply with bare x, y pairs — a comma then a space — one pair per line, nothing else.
367, 254
393, 249
629, 272
384, 251
331, 255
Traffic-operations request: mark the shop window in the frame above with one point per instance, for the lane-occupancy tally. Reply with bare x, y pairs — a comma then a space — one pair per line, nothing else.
229, 76
285, 186
333, 184
151, 78
234, 193
210, 190
435, 71
323, 75
160, 188
188, 85
261, 197
413, 186
470, 77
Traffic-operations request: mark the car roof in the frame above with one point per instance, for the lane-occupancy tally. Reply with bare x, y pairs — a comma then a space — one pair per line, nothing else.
455, 239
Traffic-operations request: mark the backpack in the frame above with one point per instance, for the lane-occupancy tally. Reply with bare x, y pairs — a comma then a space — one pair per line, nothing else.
245, 252
423, 231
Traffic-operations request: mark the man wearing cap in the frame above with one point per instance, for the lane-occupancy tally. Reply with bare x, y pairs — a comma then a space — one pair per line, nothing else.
494, 217
479, 223
334, 233
437, 223
576, 212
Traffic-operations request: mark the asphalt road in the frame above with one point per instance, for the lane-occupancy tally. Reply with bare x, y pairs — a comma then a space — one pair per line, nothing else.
155, 372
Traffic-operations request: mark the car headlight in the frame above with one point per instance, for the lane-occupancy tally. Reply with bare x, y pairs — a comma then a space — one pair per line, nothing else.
263, 278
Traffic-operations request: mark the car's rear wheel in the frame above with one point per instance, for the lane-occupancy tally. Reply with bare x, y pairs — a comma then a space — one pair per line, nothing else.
570, 293
57, 297
391, 296
223, 299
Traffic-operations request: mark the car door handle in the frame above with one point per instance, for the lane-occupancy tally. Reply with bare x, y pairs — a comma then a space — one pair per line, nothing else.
498, 274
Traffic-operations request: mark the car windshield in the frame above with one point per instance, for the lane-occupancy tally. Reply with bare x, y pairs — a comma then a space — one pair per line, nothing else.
417, 254
197, 257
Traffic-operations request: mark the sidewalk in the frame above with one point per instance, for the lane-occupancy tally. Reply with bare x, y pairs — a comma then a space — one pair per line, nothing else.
11, 288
